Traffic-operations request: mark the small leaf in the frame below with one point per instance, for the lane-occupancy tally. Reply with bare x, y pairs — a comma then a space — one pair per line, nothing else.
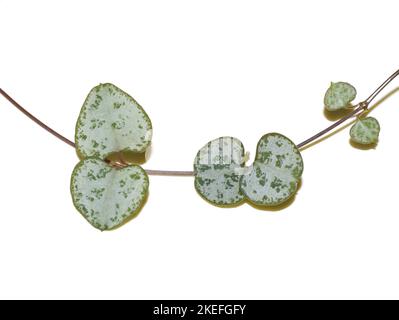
275, 173
365, 131
339, 95
106, 196
217, 168
111, 121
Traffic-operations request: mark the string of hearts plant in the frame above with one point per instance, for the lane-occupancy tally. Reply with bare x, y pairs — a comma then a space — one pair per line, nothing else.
109, 187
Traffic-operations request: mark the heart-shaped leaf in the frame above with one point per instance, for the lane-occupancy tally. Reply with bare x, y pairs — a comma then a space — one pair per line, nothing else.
217, 168
111, 121
339, 95
275, 173
106, 196
365, 131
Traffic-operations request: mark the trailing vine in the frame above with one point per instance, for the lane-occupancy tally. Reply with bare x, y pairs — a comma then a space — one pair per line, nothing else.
108, 186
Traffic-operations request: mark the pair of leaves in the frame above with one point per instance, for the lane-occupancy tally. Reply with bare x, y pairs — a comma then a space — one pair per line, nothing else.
110, 122
222, 178
339, 96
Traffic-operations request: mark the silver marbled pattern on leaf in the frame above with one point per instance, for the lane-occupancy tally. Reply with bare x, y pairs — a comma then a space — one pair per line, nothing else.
339, 95
275, 173
218, 168
111, 121
365, 131
106, 196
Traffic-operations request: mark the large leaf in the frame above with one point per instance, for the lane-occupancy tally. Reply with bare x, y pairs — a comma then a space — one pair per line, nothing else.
111, 121
218, 167
365, 131
275, 173
339, 96
106, 196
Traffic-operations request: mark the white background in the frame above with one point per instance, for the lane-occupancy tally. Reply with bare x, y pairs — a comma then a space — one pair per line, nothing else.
201, 69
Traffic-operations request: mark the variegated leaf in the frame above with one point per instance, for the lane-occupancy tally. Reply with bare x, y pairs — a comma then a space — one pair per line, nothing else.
218, 167
111, 121
365, 131
106, 196
339, 96
275, 173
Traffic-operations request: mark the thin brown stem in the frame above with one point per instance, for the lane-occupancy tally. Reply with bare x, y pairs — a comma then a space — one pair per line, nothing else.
170, 173
33, 118
358, 109
382, 87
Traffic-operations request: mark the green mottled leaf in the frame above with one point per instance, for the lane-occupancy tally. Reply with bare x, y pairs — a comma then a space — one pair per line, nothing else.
275, 173
339, 96
106, 196
111, 121
217, 168
365, 131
